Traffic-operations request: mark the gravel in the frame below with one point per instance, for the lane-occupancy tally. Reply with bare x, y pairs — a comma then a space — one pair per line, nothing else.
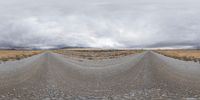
145, 76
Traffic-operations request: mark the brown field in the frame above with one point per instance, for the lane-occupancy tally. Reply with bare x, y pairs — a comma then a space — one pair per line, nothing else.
186, 55
96, 54
10, 55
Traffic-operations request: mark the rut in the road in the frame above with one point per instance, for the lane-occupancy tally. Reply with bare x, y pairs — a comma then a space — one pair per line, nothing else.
49, 74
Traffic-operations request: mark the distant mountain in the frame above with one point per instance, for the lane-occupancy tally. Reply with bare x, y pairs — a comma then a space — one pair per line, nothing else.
38, 48
197, 47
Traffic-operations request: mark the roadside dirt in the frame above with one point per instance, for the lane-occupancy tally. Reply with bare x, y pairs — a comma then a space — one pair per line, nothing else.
11, 55
96, 54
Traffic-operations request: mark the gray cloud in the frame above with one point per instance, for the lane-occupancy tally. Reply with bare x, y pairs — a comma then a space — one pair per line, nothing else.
100, 23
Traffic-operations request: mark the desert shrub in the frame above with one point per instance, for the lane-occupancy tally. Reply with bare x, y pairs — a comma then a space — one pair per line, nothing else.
4, 59
185, 58
17, 57
90, 58
25, 56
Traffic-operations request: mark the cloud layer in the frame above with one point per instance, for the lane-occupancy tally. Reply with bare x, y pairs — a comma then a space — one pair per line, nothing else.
100, 23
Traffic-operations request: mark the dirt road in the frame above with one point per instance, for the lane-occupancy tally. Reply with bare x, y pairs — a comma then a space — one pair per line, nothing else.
144, 76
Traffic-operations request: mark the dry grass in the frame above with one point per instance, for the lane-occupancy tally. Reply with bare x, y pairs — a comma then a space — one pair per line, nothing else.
96, 54
186, 55
10, 55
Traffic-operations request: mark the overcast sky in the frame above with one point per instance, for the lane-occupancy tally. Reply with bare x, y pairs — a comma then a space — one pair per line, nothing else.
100, 23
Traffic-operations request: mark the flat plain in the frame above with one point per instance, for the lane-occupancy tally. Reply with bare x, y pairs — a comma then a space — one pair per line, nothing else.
97, 54
186, 55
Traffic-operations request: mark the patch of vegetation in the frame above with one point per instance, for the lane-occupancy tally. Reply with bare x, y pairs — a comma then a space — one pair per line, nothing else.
11, 55
184, 55
4, 59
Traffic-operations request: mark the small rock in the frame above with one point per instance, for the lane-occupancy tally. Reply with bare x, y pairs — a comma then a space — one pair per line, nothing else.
190, 99
2, 96
15, 99
47, 99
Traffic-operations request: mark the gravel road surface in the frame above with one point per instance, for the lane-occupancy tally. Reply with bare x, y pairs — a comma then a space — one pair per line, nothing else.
145, 76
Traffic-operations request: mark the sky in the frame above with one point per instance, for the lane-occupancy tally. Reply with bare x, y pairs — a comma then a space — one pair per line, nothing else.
100, 23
